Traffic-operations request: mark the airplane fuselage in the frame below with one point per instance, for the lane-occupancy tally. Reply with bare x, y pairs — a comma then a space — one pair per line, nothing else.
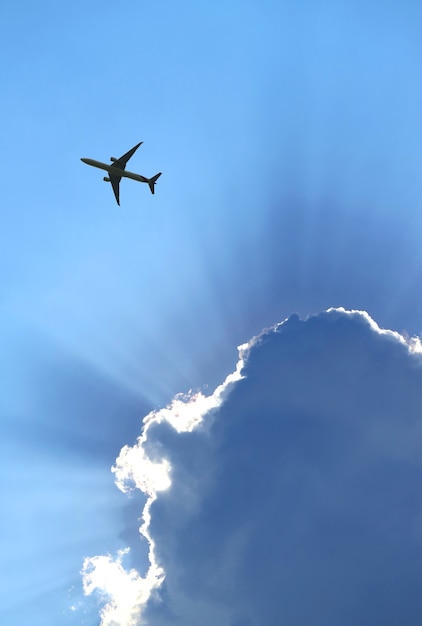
115, 171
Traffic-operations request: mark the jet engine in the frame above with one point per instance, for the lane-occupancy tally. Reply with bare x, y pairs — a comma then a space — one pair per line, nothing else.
106, 179
113, 159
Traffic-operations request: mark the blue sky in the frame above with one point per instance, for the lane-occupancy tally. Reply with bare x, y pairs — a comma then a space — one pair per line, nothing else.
289, 140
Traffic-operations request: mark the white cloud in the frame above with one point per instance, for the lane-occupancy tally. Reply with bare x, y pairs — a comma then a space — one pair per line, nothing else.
126, 593
293, 499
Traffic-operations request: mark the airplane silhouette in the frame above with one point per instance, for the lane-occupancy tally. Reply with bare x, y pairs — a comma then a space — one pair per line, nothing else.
116, 170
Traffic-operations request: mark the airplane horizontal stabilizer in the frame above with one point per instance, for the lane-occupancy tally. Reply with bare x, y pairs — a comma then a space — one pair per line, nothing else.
152, 181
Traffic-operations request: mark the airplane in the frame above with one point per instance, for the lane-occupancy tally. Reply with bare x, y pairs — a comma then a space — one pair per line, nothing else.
117, 171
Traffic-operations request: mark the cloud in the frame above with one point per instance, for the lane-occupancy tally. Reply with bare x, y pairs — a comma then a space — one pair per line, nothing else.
124, 590
291, 495
126, 593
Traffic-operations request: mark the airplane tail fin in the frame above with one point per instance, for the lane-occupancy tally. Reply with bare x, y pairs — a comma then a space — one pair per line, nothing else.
152, 181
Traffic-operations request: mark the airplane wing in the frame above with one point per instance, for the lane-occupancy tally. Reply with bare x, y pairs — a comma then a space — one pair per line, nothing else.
121, 163
115, 183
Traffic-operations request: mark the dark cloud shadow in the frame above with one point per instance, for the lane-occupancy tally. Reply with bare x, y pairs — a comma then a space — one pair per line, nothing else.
300, 504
